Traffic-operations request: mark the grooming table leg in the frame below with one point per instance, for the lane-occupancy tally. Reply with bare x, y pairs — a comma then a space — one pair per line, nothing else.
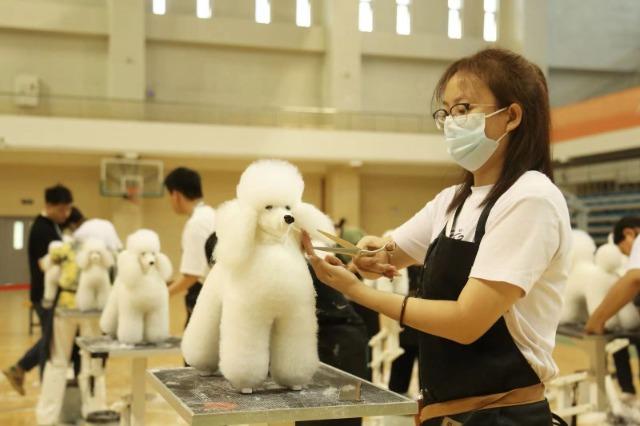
138, 366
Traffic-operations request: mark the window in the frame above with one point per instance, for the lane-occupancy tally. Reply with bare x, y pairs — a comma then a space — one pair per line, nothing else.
159, 7
18, 235
490, 20
203, 9
403, 17
303, 13
263, 11
455, 19
365, 16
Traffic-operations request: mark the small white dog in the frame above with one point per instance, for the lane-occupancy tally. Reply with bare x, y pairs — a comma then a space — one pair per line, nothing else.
591, 275
256, 312
138, 306
94, 261
52, 271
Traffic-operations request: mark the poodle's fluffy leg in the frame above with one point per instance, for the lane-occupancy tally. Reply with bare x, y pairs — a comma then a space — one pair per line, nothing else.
294, 348
201, 339
84, 294
51, 277
102, 292
109, 317
244, 345
130, 324
156, 323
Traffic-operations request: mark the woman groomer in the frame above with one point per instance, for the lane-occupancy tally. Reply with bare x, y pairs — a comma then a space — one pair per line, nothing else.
494, 251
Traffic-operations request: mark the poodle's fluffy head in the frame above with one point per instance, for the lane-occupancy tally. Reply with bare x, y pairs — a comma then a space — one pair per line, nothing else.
145, 244
55, 245
94, 252
582, 248
273, 188
609, 258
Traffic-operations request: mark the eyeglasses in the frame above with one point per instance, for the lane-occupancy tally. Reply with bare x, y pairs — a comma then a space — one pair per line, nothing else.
458, 112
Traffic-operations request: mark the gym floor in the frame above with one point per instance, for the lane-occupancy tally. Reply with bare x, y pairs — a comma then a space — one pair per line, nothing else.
16, 410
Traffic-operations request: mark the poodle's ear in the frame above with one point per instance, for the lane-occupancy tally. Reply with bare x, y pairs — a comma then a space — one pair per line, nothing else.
45, 262
129, 269
236, 230
82, 259
164, 266
107, 258
310, 218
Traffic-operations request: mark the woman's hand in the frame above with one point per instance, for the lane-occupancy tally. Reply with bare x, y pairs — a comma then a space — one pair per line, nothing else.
594, 326
377, 265
331, 271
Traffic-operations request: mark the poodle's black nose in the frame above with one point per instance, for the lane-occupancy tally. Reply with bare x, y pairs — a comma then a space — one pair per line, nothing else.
289, 219
152, 263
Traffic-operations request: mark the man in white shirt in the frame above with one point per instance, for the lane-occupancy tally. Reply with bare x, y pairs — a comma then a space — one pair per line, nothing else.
185, 194
625, 236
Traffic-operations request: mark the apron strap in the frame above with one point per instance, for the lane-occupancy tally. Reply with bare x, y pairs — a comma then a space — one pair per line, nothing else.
482, 222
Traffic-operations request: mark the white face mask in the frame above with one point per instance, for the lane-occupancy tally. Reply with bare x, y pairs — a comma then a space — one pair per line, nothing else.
467, 144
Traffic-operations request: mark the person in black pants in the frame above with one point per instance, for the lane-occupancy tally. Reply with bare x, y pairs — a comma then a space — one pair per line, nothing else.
45, 229
342, 340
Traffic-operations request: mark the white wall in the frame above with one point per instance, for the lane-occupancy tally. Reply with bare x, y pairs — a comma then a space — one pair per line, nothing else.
229, 59
66, 64
399, 85
223, 76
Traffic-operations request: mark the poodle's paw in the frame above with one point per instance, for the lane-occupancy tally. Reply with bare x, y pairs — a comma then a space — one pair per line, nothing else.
47, 304
246, 391
296, 387
209, 373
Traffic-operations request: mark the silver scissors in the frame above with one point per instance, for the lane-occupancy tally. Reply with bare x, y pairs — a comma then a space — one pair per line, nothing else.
347, 248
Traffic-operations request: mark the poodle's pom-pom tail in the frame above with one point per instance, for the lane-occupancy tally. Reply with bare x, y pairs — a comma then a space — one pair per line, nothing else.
143, 240
582, 248
236, 231
609, 258
274, 182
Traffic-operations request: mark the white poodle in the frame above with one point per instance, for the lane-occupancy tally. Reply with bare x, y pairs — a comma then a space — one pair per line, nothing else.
591, 276
94, 261
138, 306
256, 312
52, 271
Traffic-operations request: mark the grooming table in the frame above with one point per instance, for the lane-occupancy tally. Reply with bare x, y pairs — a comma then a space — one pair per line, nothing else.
101, 346
594, 346
77, 313
210, 400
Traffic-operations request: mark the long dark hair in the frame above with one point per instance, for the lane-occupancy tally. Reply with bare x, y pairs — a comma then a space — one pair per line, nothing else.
512, 79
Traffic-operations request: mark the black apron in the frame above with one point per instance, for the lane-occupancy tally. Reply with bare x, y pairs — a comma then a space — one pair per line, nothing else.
493, 363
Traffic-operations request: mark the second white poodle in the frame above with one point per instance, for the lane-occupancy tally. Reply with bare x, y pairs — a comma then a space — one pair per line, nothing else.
138, 306
94, 261
256, 311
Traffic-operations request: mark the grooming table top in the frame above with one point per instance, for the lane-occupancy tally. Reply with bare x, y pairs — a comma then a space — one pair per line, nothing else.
106, 344
576, 331
210, 400
77, 313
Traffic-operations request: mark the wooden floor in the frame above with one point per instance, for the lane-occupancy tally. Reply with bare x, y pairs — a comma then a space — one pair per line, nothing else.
14, 340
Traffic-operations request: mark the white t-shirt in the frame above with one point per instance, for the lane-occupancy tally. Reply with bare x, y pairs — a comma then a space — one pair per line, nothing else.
634, 256
198, 228
526, 243
101, 229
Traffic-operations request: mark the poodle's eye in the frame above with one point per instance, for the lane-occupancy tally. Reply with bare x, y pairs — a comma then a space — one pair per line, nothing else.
287, 207
269, 207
